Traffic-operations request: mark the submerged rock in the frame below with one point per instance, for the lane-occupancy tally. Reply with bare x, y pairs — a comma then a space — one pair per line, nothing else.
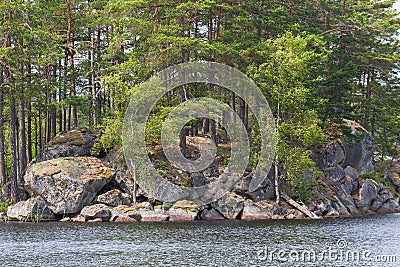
67, 184
33, 209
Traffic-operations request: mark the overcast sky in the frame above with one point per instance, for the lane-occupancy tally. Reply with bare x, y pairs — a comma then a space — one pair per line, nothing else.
397, 5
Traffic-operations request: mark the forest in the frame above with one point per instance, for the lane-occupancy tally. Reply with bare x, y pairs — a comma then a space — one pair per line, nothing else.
72, 63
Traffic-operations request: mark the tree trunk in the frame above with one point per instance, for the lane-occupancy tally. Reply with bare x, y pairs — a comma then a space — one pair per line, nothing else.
40, 122
14, 149
29, 132
22, 141
53, 109
70, 49
301, 208
242, 110
3, 176
213, 130
29, 119
206, 126
276, 158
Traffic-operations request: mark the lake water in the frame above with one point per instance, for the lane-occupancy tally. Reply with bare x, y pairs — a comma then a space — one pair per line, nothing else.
365, 241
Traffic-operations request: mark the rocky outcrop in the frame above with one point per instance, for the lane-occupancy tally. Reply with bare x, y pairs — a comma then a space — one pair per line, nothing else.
67, 184
350, 155
88, 190
347, 187
33, 210
77, 142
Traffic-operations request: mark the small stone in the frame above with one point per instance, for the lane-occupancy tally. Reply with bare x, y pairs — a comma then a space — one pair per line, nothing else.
114, 198
332, 213
186, 205
66, 219
95, 220
78, 218
143, 205
277, 217
124, 219
351, 172
290, 216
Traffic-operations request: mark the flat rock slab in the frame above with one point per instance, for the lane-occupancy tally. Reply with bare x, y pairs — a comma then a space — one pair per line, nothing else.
97, 211
67, 184
181, 215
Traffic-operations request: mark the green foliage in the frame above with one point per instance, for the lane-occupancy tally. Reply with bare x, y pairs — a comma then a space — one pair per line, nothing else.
4, 205
110, 136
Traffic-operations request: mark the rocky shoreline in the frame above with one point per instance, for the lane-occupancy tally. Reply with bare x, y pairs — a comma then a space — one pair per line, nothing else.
65, 183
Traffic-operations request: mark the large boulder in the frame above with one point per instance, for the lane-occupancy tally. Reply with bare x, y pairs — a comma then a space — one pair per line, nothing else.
77, 142
230, 205
332, 154
367, 193
33, 209
67, 184
359, 155
265, 191
211, 215
122, 179
385, 202
251, 211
